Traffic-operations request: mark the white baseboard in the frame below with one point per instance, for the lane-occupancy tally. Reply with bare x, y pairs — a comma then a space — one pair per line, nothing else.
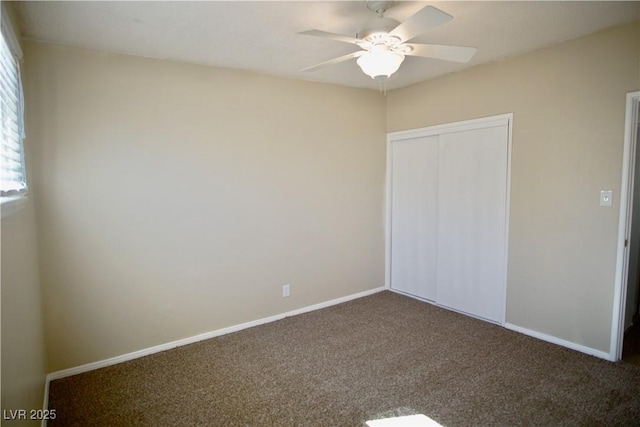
561, 342
45, 401
190, 340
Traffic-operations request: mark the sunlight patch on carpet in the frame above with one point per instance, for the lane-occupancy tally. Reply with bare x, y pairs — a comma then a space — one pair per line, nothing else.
417, 420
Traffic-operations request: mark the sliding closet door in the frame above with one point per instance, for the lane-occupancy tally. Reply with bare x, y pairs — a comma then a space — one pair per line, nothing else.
414, 173
471, 217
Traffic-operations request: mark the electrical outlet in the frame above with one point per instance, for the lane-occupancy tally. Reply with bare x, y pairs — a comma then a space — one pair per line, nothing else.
285, 291
606, 197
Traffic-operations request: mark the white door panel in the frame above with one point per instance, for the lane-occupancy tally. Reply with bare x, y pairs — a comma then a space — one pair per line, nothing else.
413, 218
471, 221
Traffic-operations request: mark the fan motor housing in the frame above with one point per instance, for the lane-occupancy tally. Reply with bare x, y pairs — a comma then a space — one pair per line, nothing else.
380, 25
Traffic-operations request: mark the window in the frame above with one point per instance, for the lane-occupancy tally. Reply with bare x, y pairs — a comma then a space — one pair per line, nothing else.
13, 182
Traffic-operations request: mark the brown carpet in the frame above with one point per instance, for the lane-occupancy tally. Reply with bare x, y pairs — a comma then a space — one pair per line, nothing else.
374, 357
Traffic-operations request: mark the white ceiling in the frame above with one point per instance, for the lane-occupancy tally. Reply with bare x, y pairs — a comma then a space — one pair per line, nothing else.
261, 35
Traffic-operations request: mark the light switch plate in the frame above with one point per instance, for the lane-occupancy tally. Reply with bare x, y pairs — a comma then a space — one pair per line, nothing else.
606, 198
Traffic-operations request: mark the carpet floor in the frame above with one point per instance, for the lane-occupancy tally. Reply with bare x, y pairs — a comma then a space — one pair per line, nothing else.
375, 357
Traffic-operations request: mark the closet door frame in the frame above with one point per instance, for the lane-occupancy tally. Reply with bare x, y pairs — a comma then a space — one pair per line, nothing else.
478, 123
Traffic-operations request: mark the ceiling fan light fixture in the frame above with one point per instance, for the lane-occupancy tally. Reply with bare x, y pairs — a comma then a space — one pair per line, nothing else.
384, 42
380, 62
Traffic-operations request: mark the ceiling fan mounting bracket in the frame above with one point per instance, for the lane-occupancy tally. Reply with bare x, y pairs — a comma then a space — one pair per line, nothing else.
379, 7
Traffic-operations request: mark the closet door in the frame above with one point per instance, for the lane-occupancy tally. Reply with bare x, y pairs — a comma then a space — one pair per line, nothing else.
471, 217
414, 174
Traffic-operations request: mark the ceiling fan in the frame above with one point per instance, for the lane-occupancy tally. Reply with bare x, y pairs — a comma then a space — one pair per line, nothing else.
383, 41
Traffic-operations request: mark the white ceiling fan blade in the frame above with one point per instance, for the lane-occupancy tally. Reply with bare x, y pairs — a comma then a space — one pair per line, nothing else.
335, 61
325, 34
447, 53
423, 20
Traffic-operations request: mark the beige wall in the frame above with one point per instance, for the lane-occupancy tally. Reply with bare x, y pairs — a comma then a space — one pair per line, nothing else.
23, 349
569, 107
177, 199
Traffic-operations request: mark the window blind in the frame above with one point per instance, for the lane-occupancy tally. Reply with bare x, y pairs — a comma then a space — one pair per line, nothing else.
12, 170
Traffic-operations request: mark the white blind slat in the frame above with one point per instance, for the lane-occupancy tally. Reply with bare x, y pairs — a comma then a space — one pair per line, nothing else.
12, 172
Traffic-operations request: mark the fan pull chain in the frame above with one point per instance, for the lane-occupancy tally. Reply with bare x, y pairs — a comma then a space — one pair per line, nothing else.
383, 87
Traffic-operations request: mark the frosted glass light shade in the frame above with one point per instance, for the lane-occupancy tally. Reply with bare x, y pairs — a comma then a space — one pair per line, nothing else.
377, 63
